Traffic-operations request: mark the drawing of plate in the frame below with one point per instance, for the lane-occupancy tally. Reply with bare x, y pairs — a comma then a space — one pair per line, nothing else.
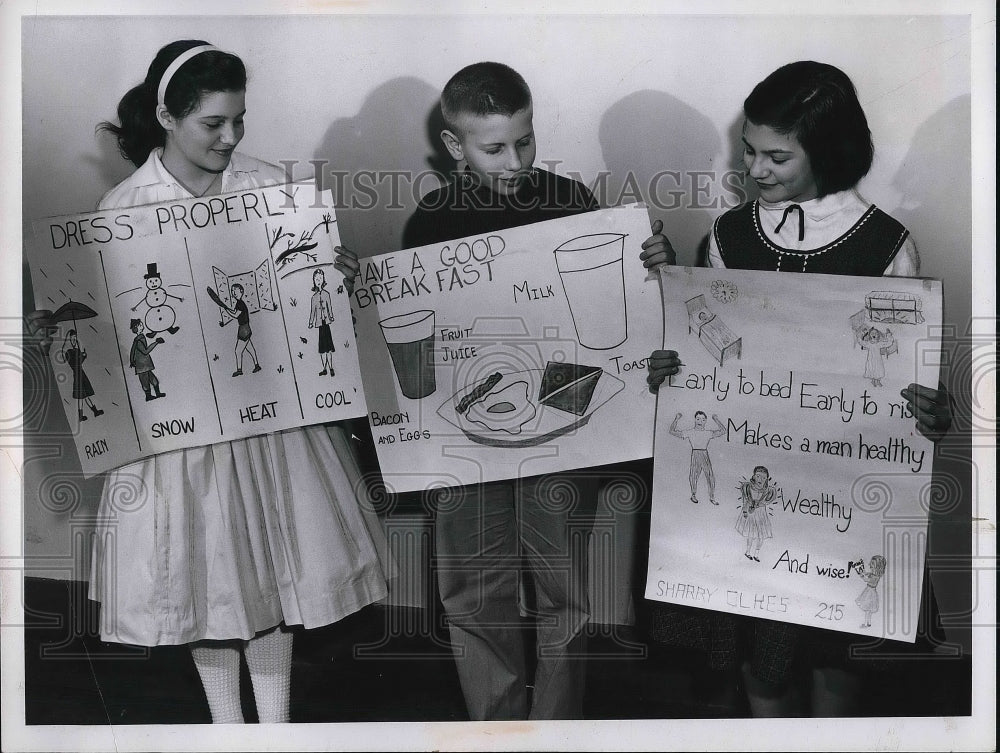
517, 419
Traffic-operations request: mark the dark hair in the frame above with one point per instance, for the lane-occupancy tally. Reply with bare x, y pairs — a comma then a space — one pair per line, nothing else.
761, 468
236, 285
212, 71
817, 103
484, 89
700, 412
133, 323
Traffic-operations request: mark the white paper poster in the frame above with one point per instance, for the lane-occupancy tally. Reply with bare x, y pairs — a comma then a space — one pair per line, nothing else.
514, 353
197, 321
789, 480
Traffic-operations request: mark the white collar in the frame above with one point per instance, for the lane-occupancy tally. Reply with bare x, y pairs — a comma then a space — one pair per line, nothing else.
152, 173
820, 208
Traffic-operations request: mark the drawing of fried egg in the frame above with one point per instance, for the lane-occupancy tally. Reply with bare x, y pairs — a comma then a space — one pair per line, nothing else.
507, 409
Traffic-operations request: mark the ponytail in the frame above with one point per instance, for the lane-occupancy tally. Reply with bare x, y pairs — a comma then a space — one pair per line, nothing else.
139, 132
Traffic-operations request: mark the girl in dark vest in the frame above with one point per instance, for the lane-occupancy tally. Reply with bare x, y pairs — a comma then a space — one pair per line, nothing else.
806, 145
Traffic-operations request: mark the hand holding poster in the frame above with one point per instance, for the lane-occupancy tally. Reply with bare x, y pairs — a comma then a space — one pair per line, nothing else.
197, 321
512, 354
789, 481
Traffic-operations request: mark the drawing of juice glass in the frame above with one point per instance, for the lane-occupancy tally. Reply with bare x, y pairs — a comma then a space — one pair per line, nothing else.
593, 278
410, 339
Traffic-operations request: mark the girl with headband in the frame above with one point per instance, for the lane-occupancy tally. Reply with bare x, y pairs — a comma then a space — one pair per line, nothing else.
220, 547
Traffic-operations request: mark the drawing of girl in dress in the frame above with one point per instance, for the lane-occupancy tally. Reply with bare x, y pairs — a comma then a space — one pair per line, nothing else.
320, 316
875, 342
754, 520
83, 391
868, 599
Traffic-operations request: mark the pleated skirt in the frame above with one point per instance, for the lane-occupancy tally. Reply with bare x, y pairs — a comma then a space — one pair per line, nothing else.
223, 541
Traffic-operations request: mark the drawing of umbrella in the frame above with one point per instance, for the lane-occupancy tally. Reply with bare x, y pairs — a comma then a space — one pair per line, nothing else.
71, 311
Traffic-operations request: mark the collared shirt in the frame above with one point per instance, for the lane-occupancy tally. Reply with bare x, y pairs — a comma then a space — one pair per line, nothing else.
153, 183
823, 221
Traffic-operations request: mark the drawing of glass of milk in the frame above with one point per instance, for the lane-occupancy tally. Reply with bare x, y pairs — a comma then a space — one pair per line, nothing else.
593, 278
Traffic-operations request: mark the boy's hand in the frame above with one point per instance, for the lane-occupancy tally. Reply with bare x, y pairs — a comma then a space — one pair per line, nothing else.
40, 329
662, 363
347, 262
931, 408
657, 249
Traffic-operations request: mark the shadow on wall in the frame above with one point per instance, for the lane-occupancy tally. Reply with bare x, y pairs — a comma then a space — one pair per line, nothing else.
936, 206
378, 165
660, 150
936, 202
108, 162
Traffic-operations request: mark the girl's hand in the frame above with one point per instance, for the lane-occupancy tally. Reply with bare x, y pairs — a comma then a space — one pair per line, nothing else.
662, 363
347, 262
657, 249
40, 329
931, 409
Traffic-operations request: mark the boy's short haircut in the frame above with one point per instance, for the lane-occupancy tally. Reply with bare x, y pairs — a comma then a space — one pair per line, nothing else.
818, 104
484, 89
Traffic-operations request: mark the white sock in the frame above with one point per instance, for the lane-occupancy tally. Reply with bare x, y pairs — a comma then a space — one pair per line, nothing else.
219, 668
269, 658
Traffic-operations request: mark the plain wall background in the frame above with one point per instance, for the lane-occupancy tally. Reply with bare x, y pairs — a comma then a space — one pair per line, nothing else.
614, 96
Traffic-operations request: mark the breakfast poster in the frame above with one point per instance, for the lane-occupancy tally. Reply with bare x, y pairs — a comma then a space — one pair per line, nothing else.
197, 321
514, 353
789, 482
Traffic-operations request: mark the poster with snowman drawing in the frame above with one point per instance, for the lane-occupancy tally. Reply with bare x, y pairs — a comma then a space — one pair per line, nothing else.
196, 321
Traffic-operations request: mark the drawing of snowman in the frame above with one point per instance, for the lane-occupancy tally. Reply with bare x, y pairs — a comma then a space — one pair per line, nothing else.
161, 316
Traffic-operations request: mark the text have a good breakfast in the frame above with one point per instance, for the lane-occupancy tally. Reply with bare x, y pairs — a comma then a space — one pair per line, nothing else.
441, 269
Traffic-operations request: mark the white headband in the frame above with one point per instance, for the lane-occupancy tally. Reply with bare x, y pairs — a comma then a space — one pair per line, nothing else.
178, 62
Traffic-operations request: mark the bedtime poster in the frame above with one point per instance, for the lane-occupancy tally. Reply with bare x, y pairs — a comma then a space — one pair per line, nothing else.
197, 321
789, 480
518, 352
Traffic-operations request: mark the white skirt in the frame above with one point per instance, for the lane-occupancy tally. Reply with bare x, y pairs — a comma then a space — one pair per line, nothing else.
223, 541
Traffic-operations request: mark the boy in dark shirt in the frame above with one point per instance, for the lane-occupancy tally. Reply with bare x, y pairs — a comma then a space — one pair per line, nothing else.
483, 533
500, 188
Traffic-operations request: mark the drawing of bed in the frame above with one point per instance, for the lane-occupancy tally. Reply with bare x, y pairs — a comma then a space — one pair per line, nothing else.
887, 307
717, 338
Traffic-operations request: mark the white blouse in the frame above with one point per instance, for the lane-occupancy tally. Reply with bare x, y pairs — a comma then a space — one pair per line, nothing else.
824, 220
153, 183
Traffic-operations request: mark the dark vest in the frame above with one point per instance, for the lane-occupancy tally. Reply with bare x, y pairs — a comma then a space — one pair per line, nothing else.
865, 250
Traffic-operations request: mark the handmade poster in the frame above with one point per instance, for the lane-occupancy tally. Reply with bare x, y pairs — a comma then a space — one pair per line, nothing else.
789, 481
514, 353
197, 321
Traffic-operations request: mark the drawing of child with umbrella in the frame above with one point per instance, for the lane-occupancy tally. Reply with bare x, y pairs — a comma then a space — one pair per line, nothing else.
74, 355
83, 391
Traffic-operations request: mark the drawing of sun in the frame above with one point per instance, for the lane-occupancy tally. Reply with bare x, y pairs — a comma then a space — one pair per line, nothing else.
724, 291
